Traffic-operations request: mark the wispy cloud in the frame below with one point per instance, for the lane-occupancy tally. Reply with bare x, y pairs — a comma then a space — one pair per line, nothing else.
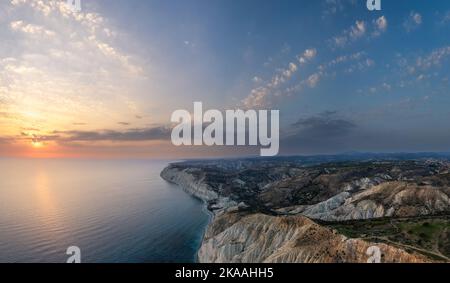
261, 96
144, 134
359, 30
417, 68
324, 125
313, 80
445, 18
58, 64
413, 21
352, 34
31, 29
5, 140
332, 7
381, 25
307, 56
436, 58
348, 63
157, 133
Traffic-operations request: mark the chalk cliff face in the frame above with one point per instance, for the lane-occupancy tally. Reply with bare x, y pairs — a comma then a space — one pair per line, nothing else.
259, 238
192, 182
390, 199
280, 212
189, 183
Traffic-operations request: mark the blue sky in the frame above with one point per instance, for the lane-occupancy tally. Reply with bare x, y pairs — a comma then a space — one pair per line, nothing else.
343, 78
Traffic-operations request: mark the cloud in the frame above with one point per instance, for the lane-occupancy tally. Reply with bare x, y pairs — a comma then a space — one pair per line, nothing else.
283, 75
307, 56
356, 31
413, 21
359, 30
326, 124
340, 41
313, 80
332, 7
435, 58
357, 61
324, 131
5, 140
310, 53
351, 137
417, 18
360, 65
256, 79
261, 96
151, 133
383, 87
57, 65
258, 98
31, 29
143, 134
381, 25
417, 68
287, 73
387, 86
91, 138
343, 59
445, 18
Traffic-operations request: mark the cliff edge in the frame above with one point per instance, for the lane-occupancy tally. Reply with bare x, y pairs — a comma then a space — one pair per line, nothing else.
278, 212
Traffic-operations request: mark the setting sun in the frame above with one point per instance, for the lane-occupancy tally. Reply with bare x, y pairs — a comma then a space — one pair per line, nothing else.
37, 144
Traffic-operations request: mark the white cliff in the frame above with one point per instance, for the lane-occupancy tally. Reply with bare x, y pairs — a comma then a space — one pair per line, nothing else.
388, 199
238, 236
189, 183
259, 238
196, 187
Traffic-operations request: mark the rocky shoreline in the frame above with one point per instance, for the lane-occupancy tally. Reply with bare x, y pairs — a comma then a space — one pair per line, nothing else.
197, 188
241, 231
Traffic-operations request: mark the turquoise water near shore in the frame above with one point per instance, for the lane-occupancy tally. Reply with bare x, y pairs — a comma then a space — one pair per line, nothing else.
114, 211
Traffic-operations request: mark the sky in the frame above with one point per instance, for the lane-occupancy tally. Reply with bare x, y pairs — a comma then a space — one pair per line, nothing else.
103, 82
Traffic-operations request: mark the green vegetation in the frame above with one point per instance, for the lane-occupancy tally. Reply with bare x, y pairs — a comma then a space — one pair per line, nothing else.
426, 235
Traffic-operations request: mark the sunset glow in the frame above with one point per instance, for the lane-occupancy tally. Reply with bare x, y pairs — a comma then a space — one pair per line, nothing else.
37, 144
90, 84
195, 132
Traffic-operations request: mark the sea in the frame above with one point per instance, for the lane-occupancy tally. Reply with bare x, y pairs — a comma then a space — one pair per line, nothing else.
113, 211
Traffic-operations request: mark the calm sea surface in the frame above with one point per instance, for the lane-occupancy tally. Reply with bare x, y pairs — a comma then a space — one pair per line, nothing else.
114, 211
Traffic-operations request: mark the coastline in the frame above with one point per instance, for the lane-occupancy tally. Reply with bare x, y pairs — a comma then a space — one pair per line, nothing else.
210, 221
209, 213
236, 233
